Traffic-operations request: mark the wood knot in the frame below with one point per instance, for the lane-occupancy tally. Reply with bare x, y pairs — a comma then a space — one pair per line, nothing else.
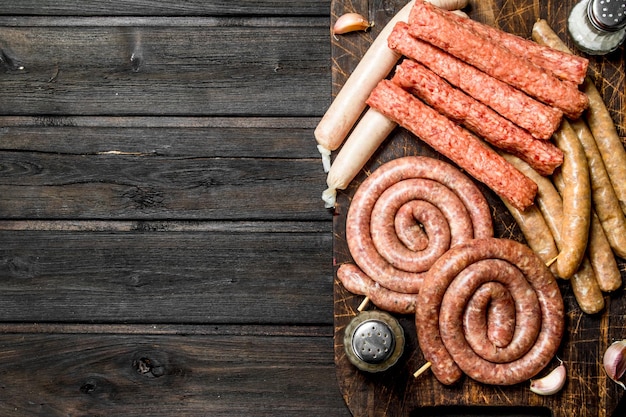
148, 367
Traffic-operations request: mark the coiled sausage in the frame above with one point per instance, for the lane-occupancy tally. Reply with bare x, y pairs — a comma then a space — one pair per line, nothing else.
453, 205
463, 269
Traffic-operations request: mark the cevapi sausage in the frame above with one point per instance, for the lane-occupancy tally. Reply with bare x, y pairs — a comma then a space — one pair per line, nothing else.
540, 120
434, 26
453, 103
454, 142
563, 65
470, 209
451, 358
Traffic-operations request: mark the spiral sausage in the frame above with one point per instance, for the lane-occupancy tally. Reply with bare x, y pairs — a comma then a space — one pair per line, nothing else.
415, 190
539, 313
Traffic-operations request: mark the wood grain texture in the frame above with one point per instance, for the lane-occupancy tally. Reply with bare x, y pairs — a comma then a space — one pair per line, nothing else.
587, 392
137, 375
166, 8
164, 66
146, 276
165, 248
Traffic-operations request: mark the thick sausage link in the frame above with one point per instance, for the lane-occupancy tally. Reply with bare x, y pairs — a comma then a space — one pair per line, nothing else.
473, 211
576, 196
584, 282
597, 116
355, 281
449, 365
603, 195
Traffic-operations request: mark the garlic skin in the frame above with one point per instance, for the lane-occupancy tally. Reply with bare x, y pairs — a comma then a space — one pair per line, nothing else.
615, 362
551, 383
351, 22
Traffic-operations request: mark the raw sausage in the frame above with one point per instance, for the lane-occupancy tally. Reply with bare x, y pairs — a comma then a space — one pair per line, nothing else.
498, 325
367, 136
598, 118
349, 103
433, 25
357, 282
603, 195
536, 232
560, 63
584, 282
393, 175
451, 357
576, 196
454, 142
540, 120
475, 116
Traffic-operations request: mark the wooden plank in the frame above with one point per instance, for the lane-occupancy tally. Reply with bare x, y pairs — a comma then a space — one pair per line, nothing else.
162, 375
166, 8
167, 168
164, 66
265, 137
122, 186
150, 276
395, 392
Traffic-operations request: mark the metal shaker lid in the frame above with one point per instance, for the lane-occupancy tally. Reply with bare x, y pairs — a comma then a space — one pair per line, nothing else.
607, 15
374, 341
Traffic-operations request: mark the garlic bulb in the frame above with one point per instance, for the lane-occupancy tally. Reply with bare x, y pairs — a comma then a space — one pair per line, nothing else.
614, 361
551, 383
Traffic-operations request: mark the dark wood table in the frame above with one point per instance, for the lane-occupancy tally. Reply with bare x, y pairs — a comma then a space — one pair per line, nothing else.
165, 251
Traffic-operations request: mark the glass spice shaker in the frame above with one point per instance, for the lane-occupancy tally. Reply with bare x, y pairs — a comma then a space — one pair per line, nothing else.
598, 27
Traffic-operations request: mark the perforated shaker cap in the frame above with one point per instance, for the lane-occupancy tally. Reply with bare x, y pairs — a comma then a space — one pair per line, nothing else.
374, 341
607, 15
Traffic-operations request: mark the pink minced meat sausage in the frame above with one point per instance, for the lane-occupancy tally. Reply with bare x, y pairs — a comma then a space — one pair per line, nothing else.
441, 302
357, 282
395, 187
537, 118
433, 25
453, 103
454, 142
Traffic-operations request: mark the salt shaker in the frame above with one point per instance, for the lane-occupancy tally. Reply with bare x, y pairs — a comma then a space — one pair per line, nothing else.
374, 341
598, 26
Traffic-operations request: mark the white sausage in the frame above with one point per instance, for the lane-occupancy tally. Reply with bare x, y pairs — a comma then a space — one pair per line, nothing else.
349, 103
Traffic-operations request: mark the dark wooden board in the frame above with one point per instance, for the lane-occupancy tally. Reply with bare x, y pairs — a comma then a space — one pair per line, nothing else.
164, 248
277, 372
159, 168
166, 8
167, 276
588, 392
247, 66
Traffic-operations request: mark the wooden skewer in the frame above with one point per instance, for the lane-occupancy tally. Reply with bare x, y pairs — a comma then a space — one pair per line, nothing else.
363, 304
551, 261
423, 369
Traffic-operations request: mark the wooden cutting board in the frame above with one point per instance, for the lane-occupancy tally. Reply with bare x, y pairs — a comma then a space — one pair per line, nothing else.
396, 392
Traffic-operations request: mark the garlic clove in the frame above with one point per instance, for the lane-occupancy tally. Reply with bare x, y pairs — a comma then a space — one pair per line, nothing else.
551, 383
615, 362
351, 22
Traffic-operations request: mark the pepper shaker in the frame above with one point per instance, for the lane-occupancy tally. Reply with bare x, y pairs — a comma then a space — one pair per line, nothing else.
598, 27
373, 341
